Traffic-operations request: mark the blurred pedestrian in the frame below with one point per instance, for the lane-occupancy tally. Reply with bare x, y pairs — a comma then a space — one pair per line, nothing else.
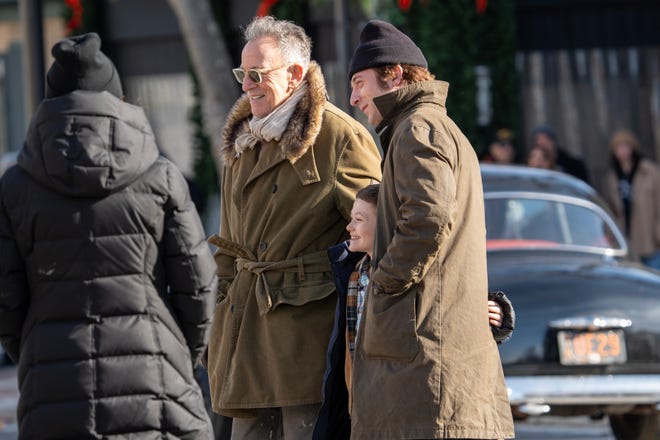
632, 189
106, 279
351, 267
545, 137
293, 163
425, 363
501, 150
540, 158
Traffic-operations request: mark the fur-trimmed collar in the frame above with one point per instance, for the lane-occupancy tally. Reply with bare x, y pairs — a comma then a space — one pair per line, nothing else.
304, 125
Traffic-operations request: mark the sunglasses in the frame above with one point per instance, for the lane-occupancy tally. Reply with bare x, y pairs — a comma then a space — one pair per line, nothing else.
255, 75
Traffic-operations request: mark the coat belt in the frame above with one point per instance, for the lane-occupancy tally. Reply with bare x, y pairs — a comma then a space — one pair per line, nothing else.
245, 260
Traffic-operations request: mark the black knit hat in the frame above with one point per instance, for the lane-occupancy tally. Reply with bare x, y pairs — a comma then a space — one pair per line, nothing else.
80, 65
382, 44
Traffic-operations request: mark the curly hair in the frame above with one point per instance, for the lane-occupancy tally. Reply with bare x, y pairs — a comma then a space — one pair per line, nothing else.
411, 74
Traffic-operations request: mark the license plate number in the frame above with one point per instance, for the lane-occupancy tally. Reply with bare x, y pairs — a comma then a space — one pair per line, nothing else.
591, 347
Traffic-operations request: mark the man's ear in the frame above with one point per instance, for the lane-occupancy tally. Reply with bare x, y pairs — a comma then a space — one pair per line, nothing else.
297, 73
396, 80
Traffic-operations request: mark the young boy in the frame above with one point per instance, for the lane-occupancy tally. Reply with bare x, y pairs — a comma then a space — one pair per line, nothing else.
351, 267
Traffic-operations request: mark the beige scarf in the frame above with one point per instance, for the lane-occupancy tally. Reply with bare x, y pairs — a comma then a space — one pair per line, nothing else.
272, 126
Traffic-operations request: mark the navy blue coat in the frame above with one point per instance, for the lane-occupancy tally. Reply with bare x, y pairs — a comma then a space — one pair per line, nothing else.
334, 422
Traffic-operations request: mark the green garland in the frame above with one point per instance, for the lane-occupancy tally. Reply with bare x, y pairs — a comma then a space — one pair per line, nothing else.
293, 10
455, 39
90, 17
206, 174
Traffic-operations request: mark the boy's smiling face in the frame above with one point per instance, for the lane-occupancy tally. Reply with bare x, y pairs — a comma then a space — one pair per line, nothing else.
362, 226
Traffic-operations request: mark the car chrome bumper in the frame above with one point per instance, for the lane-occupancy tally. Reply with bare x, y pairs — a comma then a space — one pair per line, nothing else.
584, 390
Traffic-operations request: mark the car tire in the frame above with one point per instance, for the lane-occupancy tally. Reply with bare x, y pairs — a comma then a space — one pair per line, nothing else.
635, 426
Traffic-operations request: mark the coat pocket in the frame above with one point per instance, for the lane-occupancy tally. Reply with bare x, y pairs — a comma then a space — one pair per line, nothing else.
301, 295
390, 324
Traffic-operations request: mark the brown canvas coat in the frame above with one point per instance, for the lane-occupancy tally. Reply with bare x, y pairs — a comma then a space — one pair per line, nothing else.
426, 364
644, 237
283, 205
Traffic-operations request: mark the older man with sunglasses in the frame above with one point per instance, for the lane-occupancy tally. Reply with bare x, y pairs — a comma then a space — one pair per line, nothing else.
293, 163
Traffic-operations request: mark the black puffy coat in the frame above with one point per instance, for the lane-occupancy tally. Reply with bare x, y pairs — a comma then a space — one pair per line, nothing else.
106, 280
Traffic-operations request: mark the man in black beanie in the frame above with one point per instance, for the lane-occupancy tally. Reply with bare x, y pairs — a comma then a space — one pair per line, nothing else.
425, 363
80, 65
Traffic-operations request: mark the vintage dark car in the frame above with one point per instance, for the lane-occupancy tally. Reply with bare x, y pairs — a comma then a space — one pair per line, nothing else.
587, 337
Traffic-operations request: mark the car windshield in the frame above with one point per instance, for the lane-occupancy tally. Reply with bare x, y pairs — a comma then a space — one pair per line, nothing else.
542, 221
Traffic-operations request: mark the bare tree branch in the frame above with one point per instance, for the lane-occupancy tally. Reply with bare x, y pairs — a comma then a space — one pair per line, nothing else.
212, 63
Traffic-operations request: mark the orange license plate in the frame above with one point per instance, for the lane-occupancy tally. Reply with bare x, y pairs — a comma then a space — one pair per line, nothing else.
591, 347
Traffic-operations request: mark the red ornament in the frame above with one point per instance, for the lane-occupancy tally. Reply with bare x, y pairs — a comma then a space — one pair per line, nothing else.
76, 15
404, 5
264, 7
481, 6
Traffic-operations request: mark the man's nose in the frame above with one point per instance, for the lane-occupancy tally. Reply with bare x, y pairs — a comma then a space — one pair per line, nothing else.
247, 83
354, 99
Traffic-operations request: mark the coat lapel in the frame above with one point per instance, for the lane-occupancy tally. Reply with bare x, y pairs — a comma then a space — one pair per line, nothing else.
266, 156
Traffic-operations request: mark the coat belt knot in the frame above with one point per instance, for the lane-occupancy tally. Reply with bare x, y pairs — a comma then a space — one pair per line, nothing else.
268, 298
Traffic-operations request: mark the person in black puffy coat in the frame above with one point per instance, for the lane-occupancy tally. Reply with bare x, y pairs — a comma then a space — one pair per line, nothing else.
106, 280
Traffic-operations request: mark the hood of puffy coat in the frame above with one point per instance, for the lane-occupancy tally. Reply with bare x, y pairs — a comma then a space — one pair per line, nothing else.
87, 144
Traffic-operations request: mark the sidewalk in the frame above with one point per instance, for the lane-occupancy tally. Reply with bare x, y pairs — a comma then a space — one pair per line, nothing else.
8, 401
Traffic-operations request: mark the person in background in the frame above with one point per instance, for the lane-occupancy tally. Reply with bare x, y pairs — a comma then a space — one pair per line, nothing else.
501, 150
540, 158
545, 137
351, 269
106, 279
425, 363
632, 189
293, 163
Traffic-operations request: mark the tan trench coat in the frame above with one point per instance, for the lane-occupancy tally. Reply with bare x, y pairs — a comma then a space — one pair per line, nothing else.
283, 205
426, 364
644, 237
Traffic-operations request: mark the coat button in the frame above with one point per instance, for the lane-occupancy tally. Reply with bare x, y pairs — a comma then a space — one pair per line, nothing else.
274, 188
263, 246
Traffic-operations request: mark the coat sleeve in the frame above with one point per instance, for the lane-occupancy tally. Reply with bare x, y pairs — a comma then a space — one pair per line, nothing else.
503, 333
656, 205
359, 166
426, 189
224, 263
189, 266
14, 295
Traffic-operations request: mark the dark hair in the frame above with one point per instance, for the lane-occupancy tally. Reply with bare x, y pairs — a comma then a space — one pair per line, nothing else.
369, 193
411, 74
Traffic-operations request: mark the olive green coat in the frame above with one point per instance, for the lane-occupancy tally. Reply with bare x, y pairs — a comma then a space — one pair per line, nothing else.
283, 205
426, 364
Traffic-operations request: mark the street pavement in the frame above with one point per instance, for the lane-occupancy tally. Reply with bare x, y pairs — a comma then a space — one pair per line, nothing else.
534, 428
563, 428
8, 399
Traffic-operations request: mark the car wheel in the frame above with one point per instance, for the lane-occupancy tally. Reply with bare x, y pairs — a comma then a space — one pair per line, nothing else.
635, 426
